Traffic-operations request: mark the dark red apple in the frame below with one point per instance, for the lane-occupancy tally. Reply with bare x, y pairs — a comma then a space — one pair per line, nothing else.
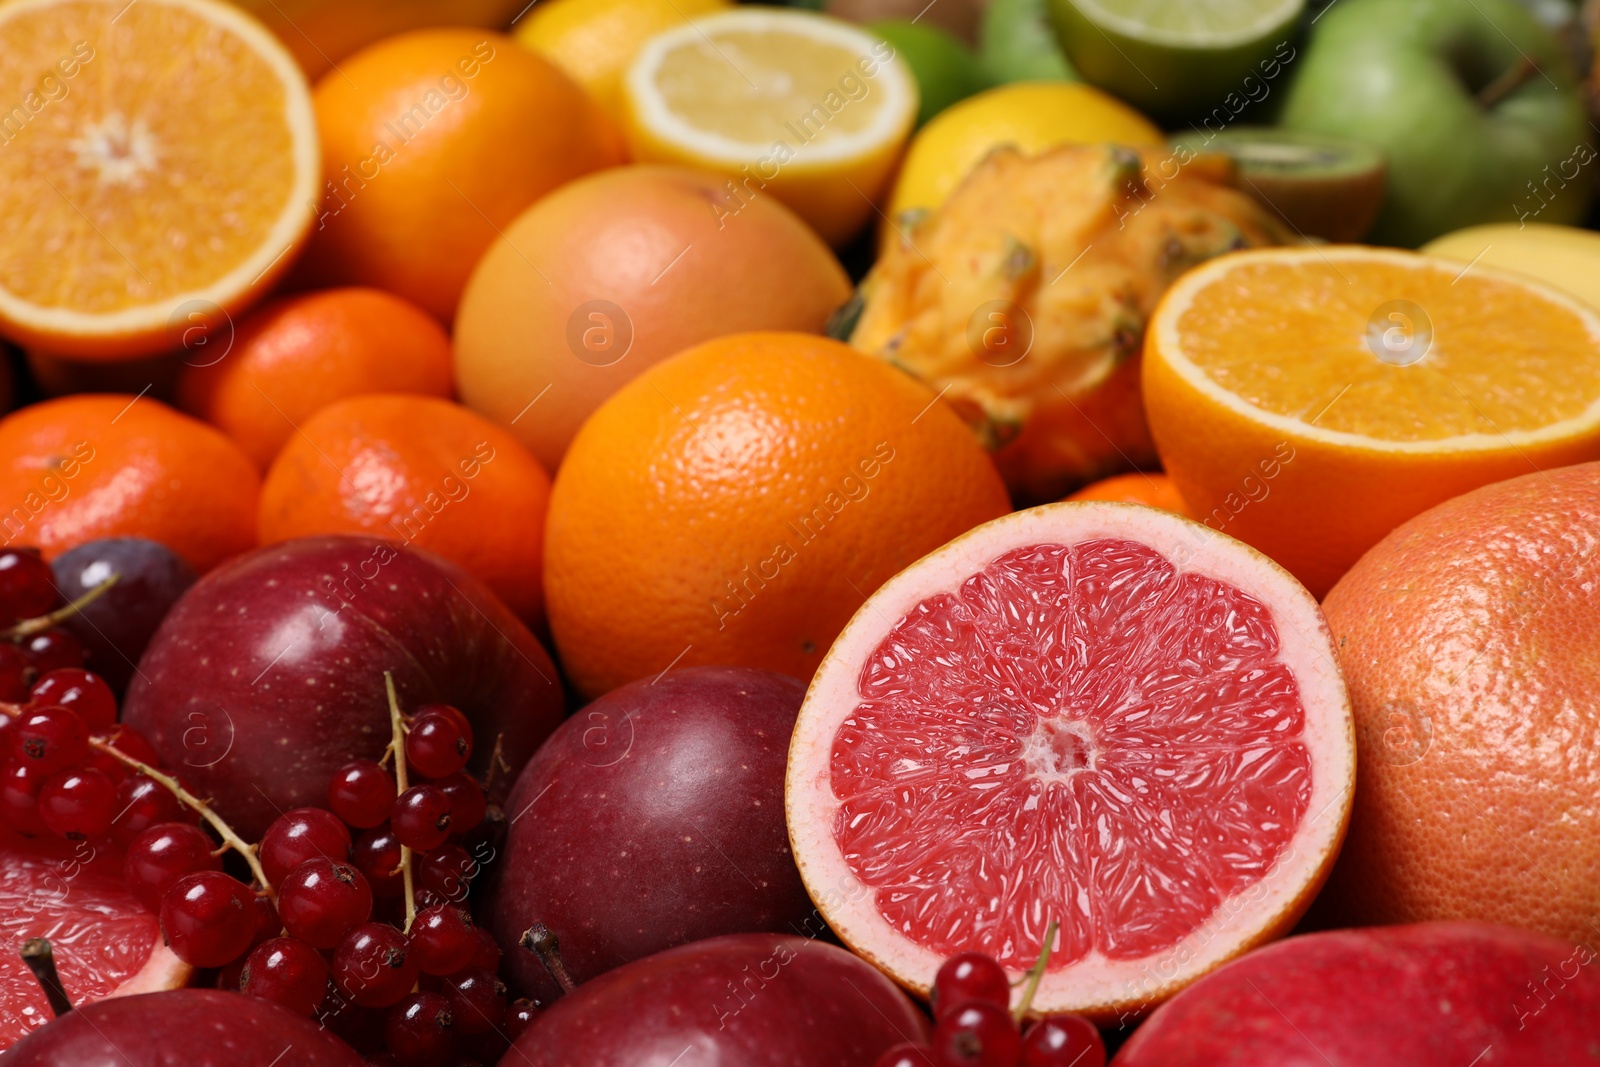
194, 1027
267, 674
1442, 994
756, 1000
652, 818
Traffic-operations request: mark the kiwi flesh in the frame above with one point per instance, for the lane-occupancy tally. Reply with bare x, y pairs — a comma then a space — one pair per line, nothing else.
1321, 186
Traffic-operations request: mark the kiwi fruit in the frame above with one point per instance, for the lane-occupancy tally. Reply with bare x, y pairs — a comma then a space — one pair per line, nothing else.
1321, 186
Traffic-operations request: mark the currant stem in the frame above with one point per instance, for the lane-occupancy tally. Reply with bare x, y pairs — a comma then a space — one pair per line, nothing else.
220, 825
397, 748
38, 625
41, 960
540, 940
1035, 974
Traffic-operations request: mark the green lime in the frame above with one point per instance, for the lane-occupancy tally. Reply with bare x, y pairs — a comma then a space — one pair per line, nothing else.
1017, 43
1180, 59
946, 71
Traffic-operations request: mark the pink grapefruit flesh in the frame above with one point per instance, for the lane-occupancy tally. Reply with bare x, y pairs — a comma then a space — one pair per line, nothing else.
104, 942
1094, 714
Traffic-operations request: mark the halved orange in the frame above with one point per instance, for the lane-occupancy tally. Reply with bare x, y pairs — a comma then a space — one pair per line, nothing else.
158, 169
1307, 401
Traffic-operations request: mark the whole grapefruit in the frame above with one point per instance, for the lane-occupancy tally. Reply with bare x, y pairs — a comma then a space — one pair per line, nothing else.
1468, 636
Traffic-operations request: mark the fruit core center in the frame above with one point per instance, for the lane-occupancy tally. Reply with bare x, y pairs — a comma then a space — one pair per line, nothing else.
1060, 748
119, 151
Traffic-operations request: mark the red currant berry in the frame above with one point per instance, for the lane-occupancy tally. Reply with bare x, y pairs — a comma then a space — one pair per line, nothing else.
127, 741
446, 874
78, 804
1063, 1041
19, 799
49, 739
451, 712
487, 956
519, 1016
141, 803
268, 925
436, 745
53, 650
84, 693
420, 1030
208, 918
467, 803
443, 939
27, 585
979, 1033
361, 794
967, 977
288, 972
477, 1000
300, 835
373, 966
906, 1055
161, 855
377, 856
321, 901
14, 673
421, 818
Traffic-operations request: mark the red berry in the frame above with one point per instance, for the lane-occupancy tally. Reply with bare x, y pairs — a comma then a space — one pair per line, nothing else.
477, 1000
421, 818
27, 586
377, 856
19, 798
487, 957
141, 803
288, 972
437, 745
519, 1016
208, 918
78, 803
420, 1030
1063, 1041
300, 835
161, 855
451, 712
321, 901
49, 739
443, 939
53, 650
361, 793
906, 1054
14, 672
446, 874
268, 925
129, 742
467, 802
373, 966
979, 1033
967, 977
83, 692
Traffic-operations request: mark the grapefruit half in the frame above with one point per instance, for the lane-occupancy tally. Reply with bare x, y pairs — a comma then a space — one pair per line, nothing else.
105, 943
1094, 714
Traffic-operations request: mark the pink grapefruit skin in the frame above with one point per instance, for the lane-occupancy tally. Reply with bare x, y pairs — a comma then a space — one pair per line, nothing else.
1444, 994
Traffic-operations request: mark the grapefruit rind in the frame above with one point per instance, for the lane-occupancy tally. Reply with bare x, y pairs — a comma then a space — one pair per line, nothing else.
1102, 988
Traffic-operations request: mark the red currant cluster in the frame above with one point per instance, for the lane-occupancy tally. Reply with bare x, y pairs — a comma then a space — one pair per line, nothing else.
29, 608
974, 1026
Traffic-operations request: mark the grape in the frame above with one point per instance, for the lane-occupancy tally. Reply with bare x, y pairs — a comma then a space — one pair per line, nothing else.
1063, 1041
979, 1033
361, 793
75, 688
161, 855
373, 966
477, 1000
52, 650
117, 625
420, 1030
321, 901
288, 972
208, 918
421, 818
443, 939
49, 739
467, 803
78, 803
967, 977
19, 798
906, 1054
438, 743
27, 587
300, 835
377, 855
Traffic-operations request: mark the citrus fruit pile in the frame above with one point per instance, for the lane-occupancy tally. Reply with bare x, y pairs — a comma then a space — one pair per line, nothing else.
799, 533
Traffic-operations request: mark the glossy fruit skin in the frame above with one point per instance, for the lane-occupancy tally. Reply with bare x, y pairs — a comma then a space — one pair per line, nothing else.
141, 804
373, 965
361, 793
164, 853
26, 588
1152, 488
301, 835
976, 1034
800, 1008
288, 972
210, 1027
968, 977
321, 901
760, 577
612, 234
477, 1000
1063, 1041
376, 854
420, 1030
78, 803
116, 627
208, 918
1475, 759
442, 939
1425, 995
620, 867
443, 636
77, 689
421, 818
436, 745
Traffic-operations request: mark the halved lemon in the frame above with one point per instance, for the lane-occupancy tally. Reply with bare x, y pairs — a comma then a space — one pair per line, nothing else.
801, 107
158, 169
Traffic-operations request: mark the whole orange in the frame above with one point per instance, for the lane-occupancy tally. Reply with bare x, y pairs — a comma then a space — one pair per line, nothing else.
614, 273
1137, 487
421, 471
432, 142
294, 356
90, 466
1468, 637
737, 503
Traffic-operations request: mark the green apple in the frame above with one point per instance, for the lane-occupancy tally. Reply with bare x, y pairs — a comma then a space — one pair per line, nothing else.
1472, 102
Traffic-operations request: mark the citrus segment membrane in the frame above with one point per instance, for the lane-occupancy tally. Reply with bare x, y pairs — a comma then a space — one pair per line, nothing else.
1067, 696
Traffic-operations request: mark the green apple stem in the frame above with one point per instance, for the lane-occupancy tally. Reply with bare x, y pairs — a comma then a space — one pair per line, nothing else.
1509, 81
29, 627
41, 960
229, 836
1035, 974
397, 748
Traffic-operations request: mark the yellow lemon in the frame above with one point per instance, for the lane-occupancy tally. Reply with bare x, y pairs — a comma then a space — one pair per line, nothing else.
1031, 115
595, 40
805, 108
1563, 256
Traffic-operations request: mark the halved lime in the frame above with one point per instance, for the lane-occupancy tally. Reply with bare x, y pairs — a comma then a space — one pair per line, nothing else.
1180, 59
